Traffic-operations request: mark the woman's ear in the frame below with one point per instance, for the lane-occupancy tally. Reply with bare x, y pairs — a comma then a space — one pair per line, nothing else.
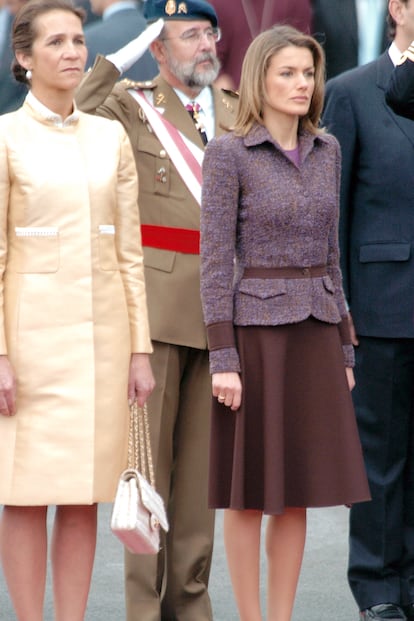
24, 60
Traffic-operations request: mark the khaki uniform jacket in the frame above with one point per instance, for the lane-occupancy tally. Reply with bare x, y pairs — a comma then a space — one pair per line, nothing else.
172, 278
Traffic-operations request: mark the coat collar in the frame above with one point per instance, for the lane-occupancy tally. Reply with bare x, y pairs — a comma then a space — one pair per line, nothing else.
260, 135
42, 113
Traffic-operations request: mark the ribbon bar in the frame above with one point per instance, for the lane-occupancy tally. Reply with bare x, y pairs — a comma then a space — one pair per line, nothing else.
171, 238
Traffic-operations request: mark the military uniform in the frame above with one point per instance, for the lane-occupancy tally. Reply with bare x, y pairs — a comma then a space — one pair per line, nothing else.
179, 408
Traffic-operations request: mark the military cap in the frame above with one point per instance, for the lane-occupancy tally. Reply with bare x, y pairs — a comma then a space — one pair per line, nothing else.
179, 9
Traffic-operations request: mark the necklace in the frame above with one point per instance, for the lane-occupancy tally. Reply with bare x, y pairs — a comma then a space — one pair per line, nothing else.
252, 20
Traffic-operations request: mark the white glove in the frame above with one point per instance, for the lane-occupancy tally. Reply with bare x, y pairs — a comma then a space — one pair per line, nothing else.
124, 58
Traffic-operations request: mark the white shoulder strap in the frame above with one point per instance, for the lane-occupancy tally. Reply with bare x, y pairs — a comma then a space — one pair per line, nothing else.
187, 159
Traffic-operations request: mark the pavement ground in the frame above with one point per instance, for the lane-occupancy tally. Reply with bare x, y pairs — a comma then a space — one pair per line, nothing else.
323, 593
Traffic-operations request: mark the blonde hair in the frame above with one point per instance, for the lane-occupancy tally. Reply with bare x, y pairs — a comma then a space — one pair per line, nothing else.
255, 65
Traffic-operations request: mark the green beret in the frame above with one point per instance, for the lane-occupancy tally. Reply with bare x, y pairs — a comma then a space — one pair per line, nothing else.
177, 9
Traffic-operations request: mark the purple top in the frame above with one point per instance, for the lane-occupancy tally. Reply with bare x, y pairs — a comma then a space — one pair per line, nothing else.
293, 154
260, 209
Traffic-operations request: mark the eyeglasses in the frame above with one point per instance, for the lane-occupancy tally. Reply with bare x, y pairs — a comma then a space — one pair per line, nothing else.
194, 36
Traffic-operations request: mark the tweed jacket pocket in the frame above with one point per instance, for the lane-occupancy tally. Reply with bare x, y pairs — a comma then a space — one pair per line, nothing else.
328, 284
262, 288
260, 301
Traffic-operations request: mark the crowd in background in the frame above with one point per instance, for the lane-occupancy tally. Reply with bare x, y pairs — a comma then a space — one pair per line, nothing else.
348, 37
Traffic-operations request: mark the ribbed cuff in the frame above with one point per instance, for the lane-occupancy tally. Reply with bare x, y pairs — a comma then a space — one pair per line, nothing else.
345, 331
220, 335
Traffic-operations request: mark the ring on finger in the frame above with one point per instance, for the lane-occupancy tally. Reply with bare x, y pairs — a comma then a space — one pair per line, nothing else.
221, 398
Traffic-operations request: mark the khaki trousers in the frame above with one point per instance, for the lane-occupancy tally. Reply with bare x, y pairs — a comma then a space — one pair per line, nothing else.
172, 586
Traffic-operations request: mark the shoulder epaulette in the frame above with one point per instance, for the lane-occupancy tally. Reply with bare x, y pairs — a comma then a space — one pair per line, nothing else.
230, 92
146, 84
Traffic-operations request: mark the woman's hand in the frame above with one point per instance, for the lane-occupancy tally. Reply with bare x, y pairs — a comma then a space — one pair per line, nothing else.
141, 381
350, 377
227, 388
7, 388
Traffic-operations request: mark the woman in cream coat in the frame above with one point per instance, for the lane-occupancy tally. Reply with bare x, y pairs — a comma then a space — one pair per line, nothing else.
74, 338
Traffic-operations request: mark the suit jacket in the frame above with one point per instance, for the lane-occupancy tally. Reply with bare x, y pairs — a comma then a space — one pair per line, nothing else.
377, 200
172, 278
335, 27
400, 92
261, 208
108, 35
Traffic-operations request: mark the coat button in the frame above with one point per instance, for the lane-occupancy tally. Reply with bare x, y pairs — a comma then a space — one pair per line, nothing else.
163, 153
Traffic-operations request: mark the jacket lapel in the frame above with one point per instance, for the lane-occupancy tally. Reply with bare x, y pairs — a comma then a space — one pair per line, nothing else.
167, 102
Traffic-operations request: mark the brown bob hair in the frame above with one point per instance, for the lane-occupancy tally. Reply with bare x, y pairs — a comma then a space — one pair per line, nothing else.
24, 28
255, 65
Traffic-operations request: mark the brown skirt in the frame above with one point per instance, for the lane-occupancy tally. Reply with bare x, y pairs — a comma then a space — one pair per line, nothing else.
294, 441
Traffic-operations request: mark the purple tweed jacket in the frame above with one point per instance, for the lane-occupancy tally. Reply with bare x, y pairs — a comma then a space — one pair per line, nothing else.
260, 210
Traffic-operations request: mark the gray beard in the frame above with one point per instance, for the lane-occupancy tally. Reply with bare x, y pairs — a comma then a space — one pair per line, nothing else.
188, 74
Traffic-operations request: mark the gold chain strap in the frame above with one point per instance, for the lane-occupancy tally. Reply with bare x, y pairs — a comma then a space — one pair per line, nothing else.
139, 443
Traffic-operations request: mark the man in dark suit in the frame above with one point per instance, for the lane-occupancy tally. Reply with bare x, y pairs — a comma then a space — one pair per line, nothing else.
352, 32
377, 244
122, 20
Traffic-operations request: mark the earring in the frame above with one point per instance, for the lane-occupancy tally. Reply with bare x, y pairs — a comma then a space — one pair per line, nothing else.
28, 75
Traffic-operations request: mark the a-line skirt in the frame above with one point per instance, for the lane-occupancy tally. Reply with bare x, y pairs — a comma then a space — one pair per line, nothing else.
294, 441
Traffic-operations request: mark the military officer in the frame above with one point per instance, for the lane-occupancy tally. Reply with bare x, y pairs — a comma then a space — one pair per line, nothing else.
168, 146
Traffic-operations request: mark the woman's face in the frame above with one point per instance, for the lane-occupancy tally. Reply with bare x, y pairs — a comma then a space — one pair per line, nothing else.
289, 82
58, 56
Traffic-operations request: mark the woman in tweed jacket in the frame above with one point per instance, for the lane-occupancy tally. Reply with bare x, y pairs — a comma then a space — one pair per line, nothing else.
283, 434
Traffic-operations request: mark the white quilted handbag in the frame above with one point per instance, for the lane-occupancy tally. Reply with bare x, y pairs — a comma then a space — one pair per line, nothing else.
138, 511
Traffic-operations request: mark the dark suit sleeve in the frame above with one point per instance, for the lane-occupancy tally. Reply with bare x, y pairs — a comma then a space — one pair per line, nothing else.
339, 119
400, 93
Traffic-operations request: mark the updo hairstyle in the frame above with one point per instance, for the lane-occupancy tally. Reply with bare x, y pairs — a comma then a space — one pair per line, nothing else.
24, 29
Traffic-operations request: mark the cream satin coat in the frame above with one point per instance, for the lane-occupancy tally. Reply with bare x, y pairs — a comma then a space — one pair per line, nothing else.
72, 305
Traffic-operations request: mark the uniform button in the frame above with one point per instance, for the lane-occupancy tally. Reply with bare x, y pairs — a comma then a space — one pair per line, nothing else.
163, 153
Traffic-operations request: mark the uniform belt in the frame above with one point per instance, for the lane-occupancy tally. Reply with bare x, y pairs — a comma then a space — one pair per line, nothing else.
171, 238
312, 271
